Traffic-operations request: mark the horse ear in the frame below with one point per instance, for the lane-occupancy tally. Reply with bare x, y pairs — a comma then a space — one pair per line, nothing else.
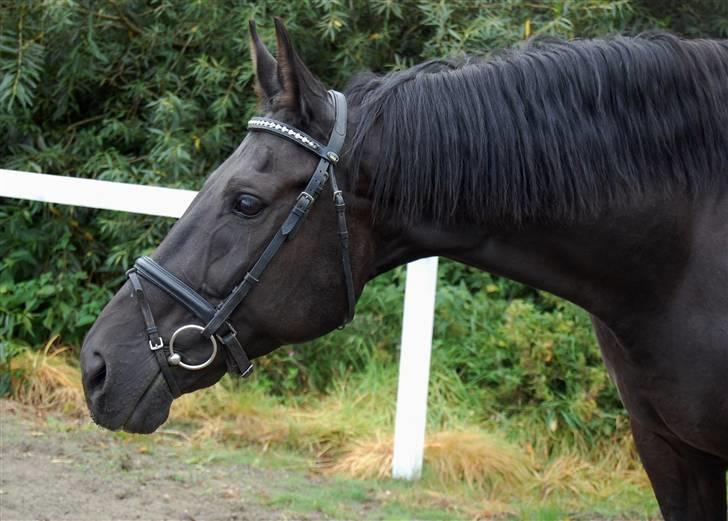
265, 66
300, 89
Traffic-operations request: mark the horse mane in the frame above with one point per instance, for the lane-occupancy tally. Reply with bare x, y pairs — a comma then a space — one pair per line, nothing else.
553, 131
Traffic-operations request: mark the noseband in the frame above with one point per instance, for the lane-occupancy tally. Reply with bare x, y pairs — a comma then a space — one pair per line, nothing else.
216, 318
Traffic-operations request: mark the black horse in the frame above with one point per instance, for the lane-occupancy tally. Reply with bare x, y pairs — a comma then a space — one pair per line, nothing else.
596, 170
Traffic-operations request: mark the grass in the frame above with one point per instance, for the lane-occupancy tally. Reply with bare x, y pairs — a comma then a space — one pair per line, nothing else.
473, 469
473, 458
48, 380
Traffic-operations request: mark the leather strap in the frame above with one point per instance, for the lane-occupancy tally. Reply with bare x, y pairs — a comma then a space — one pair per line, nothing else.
189, 298
336, 139
345, 255
288, 229
324, 170
156, 343
178, 290
338, 133
280, 129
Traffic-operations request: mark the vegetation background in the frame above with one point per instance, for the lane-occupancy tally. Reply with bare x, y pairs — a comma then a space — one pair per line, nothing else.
158, 92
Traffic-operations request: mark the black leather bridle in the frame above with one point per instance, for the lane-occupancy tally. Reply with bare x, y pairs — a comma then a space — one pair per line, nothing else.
216, 318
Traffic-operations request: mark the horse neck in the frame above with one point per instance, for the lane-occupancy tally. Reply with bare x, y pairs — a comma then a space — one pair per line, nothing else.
622, 261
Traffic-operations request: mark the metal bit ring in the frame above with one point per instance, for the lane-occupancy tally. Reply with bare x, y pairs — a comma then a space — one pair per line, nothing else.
176, 358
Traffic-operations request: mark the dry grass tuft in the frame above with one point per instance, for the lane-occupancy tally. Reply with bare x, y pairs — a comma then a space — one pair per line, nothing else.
369, 459
47, 380
607, 471
564, 474
478, 459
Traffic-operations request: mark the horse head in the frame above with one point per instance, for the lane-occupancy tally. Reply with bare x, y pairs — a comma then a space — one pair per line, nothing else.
252, 264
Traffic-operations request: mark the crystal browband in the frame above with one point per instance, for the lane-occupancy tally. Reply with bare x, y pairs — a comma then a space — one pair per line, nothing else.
296, 135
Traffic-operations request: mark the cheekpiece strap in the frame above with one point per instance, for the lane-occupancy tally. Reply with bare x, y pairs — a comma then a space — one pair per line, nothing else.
328, 156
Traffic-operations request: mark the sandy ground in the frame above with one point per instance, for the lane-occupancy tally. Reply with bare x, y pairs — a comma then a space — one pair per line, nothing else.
51, 472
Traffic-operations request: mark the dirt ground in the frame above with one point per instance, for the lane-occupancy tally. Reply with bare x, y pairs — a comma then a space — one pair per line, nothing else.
53, 467
51, 472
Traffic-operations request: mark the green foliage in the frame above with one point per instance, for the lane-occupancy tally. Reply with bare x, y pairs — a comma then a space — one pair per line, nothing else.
158, 93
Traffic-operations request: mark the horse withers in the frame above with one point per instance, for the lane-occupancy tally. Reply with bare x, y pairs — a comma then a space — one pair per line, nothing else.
596, 170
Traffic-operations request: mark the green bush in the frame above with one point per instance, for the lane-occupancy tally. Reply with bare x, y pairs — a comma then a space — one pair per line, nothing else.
159, 92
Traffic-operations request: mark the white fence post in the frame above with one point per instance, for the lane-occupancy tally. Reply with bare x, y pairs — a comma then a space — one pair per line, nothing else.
414, 368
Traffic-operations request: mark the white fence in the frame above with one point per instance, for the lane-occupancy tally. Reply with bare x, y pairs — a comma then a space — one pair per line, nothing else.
419, 300
91, 193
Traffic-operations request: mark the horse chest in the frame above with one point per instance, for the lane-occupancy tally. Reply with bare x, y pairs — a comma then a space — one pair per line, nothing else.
674, 382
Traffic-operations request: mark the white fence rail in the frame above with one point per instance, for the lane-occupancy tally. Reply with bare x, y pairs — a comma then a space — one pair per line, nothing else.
419, 301
92, 193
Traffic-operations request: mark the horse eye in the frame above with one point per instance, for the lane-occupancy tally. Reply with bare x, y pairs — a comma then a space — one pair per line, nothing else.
248, 205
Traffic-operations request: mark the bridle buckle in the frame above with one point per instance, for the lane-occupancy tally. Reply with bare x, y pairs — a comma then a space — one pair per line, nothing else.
158, 345
307, 196
231, 333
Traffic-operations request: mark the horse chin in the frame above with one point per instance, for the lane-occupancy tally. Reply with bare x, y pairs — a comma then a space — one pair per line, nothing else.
152, 409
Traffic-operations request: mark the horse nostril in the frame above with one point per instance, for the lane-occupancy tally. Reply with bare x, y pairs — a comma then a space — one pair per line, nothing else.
96, 375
